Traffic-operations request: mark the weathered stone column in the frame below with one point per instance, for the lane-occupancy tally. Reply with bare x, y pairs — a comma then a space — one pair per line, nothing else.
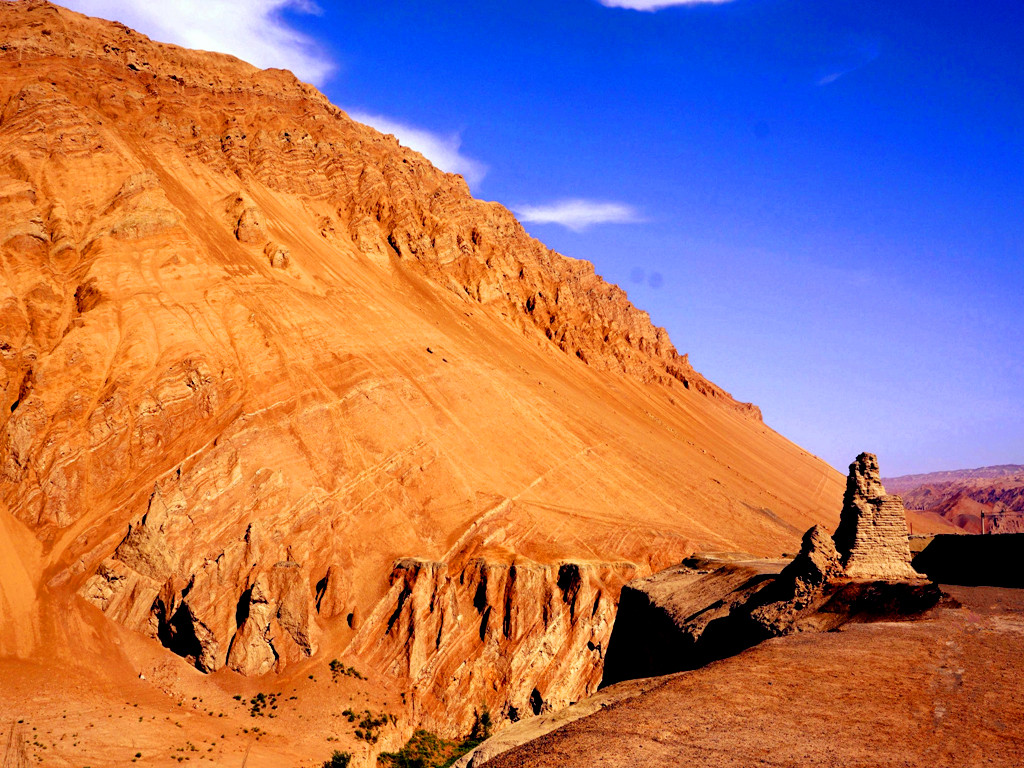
872, 533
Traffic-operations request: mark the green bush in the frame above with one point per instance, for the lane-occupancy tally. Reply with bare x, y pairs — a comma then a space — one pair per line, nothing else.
338, 760
337, 668
428, 750
481, 726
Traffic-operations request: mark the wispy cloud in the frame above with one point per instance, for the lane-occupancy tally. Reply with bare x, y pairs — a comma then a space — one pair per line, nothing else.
253, 30
443, 150
578, 215
656, 5
861, 55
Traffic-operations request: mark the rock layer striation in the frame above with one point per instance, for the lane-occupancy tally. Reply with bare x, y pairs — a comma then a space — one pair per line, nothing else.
872, 533
254, 353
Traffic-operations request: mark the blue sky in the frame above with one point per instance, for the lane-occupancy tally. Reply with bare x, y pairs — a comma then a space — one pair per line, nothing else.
823, 203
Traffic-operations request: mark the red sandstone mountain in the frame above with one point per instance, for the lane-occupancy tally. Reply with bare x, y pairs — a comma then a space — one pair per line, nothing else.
276, 390
962, 496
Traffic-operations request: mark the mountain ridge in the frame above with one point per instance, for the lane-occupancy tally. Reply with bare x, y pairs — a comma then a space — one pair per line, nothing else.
964, 496
901, 483
625, 330
276, 390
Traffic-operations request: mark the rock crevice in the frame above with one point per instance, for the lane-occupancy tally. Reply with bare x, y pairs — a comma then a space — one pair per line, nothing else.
513, 635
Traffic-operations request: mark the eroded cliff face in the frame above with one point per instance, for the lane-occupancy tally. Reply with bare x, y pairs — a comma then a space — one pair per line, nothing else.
516, 637
252, 353
248, 606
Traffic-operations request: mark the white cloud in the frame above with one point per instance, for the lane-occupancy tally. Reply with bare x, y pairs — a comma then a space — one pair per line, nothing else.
656, 5
252, 30
578, 215
444, 151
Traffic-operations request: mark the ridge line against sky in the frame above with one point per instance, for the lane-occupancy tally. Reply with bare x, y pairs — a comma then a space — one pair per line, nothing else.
821, 204
253, 30
258, 31
444, 151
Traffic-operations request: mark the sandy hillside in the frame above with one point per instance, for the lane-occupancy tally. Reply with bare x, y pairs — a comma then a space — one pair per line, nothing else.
277, 391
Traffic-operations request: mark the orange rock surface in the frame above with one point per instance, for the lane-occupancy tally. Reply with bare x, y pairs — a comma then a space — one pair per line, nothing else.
253, 354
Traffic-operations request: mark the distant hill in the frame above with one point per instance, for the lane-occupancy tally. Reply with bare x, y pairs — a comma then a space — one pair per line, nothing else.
962, 495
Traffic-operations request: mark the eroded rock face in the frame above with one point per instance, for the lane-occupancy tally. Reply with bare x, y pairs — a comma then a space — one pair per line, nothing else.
276, 622
277, 255
251, 227
240, 607
661, 617
325, 355
818, 561
872, 533
519, 637
682, 618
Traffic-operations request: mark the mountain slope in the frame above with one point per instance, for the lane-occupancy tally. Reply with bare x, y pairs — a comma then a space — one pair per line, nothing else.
256, 356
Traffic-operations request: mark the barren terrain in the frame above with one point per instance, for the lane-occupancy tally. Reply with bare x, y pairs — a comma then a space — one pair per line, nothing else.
275, 392
945, 690
963, 496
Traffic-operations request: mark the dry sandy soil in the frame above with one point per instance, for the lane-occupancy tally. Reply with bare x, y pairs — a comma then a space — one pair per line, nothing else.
943, 691
68, 711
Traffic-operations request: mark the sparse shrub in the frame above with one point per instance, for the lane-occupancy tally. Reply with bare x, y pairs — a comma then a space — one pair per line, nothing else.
338, 760
338, 669
259, 703
428, 750
481, 725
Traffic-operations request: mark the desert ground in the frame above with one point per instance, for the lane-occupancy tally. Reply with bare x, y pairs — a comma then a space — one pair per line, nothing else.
943, 690
304, 448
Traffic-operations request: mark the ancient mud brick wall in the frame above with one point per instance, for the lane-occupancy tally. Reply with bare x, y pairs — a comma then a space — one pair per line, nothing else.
880, 547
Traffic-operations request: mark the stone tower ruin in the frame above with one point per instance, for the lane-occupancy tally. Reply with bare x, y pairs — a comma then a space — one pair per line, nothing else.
872, 533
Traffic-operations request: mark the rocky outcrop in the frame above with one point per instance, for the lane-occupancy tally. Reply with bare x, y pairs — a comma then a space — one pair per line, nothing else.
818, 561
275, 618
872, 533
250, 228
684, 617
241, 607
517, 637
816, 593
661, 617
277, 255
